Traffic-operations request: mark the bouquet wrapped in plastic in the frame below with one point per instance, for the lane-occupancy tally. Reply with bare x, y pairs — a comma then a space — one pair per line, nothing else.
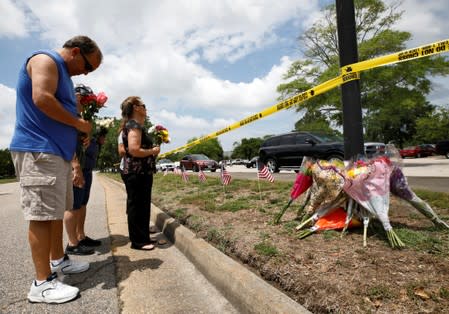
302, 183
326, 191
368, 183
159, 135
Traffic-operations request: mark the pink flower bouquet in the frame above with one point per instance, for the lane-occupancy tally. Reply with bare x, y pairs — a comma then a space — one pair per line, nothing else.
91, 105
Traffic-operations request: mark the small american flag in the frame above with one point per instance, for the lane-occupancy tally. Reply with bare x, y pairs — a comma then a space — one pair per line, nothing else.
225, 176
184, 175
264, 173
201, 176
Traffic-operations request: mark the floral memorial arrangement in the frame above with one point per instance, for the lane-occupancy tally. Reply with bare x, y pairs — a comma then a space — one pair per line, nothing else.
340, 197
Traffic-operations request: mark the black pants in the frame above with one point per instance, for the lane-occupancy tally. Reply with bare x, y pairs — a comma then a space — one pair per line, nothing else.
138, 207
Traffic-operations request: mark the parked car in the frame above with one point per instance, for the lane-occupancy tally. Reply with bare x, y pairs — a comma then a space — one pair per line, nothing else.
238, 161
415, 151
195, 162
442, 148
286, 151
428, 149
252, 163
374, 149
163, 164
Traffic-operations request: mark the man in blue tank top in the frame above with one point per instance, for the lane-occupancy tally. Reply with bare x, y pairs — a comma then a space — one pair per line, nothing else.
42, 149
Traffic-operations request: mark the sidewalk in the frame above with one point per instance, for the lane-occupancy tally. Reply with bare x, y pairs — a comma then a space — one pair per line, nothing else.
157, 281
167, 281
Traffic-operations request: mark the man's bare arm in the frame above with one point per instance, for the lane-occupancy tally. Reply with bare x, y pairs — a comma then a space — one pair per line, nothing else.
44, 77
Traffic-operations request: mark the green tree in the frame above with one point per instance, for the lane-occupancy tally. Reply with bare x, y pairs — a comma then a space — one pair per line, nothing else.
247, 148
315, 121
6, 164
393, 97
109, 157
433, 128
211, 148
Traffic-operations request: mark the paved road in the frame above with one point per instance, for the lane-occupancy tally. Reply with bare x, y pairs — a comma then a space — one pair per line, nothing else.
120, 280
98, 285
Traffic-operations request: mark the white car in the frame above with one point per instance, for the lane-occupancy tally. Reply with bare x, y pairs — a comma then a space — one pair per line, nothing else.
374, 149
163, 164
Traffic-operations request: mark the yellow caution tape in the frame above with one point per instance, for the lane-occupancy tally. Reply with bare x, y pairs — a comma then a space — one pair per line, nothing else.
405, 55
349, 73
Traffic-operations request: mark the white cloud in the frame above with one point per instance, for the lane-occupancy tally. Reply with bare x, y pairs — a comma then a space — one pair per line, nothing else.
160, 50
7, 114
425, 20
13, 22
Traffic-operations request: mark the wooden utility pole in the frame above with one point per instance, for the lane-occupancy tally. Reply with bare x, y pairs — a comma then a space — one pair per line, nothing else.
350, 91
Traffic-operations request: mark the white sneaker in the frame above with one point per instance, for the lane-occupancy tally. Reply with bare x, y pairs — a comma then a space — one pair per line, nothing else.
52, 291
67, 266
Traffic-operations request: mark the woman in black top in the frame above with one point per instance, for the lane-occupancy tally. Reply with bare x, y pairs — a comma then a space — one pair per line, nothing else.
138, 171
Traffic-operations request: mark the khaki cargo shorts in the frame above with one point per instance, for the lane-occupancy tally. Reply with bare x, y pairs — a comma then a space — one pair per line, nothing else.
46, 185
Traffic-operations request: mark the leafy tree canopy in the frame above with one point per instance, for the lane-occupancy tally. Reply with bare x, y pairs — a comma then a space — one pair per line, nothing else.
433, 127
211, 148
393, 97
247, 148
6, 164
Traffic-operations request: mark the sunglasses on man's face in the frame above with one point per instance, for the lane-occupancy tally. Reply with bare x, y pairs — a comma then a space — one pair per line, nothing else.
142, 105
87, 66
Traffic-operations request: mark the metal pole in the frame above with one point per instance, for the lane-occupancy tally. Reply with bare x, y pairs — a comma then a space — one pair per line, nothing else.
350, 91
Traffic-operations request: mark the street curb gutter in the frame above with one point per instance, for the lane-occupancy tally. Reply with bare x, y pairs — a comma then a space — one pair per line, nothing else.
246, 291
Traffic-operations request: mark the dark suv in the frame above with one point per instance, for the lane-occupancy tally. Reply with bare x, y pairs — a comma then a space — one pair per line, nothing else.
442, 148
286, 151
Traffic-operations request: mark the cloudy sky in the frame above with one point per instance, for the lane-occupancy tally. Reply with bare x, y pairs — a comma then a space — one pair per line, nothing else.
199, 65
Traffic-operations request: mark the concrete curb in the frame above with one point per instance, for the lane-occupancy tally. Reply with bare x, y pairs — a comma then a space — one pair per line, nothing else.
246, 291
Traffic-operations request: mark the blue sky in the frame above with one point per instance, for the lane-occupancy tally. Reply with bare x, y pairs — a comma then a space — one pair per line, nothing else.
198, 65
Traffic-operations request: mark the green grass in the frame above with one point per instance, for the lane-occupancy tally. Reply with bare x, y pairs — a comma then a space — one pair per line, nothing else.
330, 234
170, 192
235, 205
180, 213
196, 223
8, 180
218, 237
435, 199
423, 240
380, 292
290, 226
266, 249
444, 293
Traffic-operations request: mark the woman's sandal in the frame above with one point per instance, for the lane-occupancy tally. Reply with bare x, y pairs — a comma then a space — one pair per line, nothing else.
159, 242
146, 247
